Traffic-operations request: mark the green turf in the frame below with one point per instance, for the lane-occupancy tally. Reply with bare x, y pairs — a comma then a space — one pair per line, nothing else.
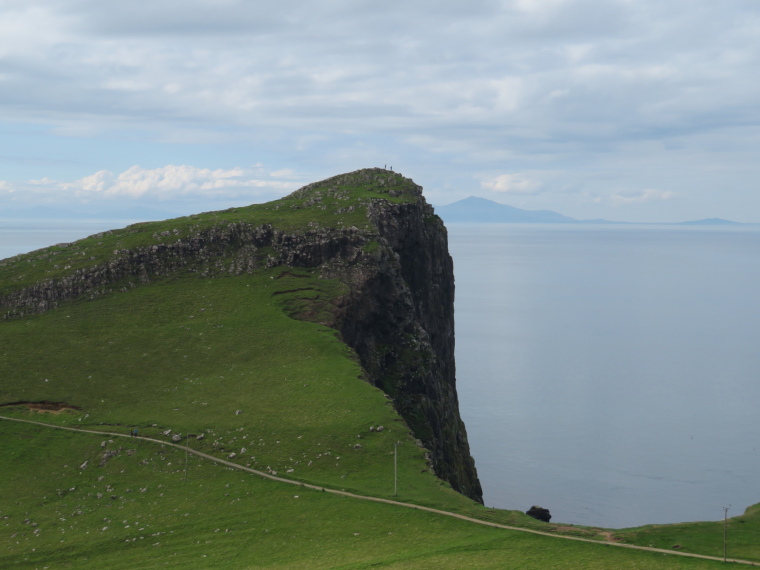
140, 508
742, 536
221, 358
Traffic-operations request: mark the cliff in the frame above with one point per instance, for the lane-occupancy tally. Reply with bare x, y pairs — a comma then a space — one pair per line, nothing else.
371, 231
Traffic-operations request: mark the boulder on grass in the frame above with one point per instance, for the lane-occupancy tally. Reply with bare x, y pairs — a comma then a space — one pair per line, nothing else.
539, 513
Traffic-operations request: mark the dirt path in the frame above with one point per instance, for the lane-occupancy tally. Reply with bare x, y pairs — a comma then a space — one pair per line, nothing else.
387, 501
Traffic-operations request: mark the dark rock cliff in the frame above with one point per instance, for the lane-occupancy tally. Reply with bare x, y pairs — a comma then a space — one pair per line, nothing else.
400, 321
397, 314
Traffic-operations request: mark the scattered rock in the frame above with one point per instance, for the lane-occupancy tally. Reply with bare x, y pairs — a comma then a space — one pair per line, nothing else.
176, 437
379, 428
106, 455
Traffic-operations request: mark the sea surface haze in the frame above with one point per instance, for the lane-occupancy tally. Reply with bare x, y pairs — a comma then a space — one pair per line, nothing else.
610, 373
23, 236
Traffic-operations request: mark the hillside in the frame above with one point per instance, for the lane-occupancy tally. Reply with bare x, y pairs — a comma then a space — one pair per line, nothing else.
373, 265
309, 338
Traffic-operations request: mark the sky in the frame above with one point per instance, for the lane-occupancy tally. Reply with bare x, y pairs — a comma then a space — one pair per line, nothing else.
630, 110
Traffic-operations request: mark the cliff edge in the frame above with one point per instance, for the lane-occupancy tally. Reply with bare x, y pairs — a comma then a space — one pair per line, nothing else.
369, 232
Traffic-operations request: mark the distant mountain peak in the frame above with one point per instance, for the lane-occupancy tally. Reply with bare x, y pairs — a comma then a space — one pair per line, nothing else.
710, 222
481, 210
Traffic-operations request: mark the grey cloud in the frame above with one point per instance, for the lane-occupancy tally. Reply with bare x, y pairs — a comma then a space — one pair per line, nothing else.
170, 18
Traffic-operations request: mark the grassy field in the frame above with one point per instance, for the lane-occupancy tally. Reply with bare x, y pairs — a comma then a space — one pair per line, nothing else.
219, 364
137, 506
742, 536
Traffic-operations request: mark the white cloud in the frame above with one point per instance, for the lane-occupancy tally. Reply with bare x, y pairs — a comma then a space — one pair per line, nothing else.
26, 28
166, 183
511, 184
538, 6
6, 188
576, 53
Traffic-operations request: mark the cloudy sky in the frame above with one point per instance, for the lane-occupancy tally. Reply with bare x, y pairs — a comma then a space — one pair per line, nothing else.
636, 110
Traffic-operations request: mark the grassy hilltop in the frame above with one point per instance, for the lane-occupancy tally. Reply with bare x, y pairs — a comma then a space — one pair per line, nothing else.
233, 353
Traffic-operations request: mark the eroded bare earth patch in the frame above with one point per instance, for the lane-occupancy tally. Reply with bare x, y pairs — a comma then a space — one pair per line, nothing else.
43, 407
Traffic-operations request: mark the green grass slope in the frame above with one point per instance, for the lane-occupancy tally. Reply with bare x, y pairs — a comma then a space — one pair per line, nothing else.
742, 536
219, 358
141, 508
216, 359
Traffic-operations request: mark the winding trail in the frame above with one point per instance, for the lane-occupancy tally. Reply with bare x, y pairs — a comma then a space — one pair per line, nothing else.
387, 501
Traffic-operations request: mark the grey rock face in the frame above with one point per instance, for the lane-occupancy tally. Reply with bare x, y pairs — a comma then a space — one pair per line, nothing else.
399, 318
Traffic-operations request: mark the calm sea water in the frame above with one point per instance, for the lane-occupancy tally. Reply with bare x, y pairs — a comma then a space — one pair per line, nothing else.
23, 236
611, 373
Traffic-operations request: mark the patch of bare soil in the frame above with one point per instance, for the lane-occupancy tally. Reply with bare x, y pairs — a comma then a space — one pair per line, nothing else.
609, 536
574, 530
43, 407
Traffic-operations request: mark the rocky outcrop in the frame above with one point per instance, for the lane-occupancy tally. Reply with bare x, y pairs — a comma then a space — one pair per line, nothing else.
398, 313
539, 513
399, 318
221, 249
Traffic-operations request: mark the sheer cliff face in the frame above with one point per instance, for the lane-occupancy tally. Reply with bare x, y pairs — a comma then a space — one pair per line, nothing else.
397, 306
399, 318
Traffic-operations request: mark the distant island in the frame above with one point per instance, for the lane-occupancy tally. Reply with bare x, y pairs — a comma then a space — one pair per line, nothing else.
483, 211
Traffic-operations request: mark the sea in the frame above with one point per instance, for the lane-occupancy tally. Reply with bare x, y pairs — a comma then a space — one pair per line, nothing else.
611, 374
23, 236
608, 373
